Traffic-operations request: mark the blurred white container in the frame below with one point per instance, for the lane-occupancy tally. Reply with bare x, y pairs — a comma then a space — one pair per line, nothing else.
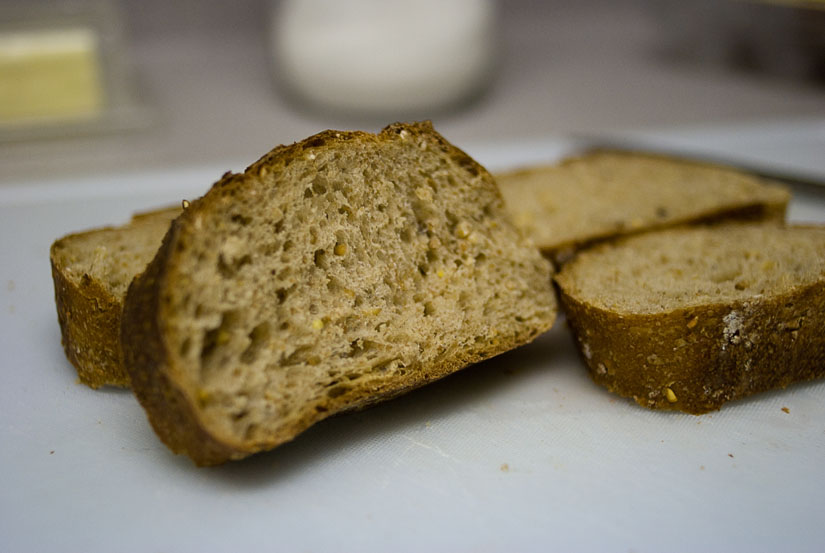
404, 57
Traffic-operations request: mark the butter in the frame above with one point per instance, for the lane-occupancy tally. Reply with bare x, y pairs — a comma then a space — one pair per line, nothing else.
48, 75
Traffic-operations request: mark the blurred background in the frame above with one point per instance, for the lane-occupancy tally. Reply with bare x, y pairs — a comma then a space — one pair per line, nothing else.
100, 87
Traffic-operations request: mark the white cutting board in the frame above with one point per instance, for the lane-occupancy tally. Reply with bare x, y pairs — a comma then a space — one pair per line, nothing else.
520, 453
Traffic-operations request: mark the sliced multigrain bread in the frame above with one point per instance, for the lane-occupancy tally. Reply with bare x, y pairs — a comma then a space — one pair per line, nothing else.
91, 272
332, 274
606, 193
691, 318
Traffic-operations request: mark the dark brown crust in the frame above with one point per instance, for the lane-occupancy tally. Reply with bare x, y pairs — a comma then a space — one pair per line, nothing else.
89, 316
703, 359
170, 412
278, 155
758, 210
89, 320
769, 213
160, 386
421, 375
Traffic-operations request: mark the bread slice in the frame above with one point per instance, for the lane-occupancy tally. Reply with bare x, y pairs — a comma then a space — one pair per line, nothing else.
332, 274
91, 272
689, 319
605, 193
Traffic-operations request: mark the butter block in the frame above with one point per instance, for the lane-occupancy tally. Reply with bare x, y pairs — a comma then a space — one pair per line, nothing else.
49, 75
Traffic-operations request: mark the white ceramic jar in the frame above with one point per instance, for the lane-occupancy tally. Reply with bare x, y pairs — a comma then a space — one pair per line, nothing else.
384, 56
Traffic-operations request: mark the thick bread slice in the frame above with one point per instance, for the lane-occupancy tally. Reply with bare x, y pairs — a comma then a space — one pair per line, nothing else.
91, 272
604, 194
688, 319
333, 273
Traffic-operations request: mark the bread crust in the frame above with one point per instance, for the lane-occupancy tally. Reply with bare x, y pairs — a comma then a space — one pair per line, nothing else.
766, 213
769, 205
696, 359
153, 378
162, 387
89, 318
88, 313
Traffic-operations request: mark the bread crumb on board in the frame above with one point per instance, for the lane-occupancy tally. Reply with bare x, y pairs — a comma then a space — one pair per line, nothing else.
504, 467
786, 410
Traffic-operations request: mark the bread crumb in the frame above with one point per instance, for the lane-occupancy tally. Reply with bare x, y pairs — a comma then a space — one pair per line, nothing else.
730, 455
184, 204
51, 452
786, 410
504, 467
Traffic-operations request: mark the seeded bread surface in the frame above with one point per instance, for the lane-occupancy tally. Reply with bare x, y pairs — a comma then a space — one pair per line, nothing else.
604, 194
91, 271
688, 319
332, 274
